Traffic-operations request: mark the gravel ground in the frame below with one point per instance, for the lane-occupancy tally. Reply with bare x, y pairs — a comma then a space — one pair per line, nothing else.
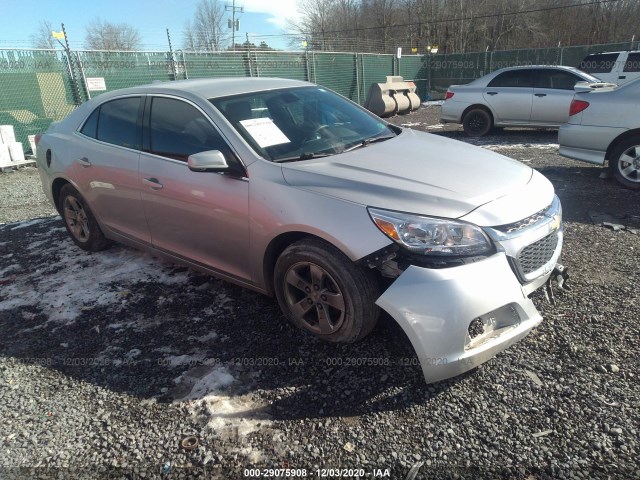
109, 361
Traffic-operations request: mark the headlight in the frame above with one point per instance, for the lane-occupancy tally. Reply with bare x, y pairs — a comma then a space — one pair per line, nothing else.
431, 236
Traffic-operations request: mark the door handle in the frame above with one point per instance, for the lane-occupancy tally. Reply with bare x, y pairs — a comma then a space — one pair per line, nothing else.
154, 183
540, 94
622, 77
84, 161
492, 93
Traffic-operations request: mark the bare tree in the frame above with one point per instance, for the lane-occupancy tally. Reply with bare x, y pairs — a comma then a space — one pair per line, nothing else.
463, 25
103, 35
207, 30
42, 37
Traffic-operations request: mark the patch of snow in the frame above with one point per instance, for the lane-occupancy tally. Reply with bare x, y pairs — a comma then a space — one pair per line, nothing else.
429, 103
228, 413
437, 126
205, 338
165, 349
217, 379
29, 223
9, 269
521, 146
89, 279
411, 124
136, 352
174, 361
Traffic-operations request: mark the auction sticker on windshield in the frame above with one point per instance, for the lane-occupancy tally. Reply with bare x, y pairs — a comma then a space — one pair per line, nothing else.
264, 131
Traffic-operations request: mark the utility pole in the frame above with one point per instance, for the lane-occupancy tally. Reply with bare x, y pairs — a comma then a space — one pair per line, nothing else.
234, 24
72, 74
172, 60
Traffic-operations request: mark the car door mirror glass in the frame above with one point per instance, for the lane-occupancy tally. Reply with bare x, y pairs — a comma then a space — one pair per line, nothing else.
209, 161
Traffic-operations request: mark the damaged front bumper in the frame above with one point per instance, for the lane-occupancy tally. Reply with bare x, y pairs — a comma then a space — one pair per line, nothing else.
457, 318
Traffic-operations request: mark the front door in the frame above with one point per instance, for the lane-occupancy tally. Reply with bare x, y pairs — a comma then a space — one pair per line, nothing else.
199, 216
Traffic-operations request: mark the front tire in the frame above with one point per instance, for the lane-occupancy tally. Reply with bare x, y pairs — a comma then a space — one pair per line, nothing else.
79, 221
477, 122
322, 291
625, 163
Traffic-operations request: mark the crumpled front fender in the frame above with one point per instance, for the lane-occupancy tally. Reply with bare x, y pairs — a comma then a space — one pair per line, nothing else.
435, 308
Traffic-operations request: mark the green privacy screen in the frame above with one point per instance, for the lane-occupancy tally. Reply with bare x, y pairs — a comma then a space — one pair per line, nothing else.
38, 87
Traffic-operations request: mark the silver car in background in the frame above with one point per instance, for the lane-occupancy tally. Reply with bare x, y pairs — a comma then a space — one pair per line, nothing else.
292, 190
532, 96
604, 126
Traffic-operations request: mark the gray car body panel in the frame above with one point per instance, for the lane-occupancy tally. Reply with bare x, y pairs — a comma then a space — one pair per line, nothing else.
611, 114
439, 183
224, 225
419, 300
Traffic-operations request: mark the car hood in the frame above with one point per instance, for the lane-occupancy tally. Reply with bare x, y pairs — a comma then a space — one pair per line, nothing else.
419, 173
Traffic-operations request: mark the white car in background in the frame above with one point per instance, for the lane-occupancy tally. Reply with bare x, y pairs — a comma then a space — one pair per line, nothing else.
614, 67
604, 125
532, 96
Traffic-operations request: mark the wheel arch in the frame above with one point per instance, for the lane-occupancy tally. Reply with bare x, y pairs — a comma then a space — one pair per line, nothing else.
479, 106
56, 186
618, 140
277, 245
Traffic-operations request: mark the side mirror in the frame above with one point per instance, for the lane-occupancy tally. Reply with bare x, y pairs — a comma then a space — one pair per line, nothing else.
209, 161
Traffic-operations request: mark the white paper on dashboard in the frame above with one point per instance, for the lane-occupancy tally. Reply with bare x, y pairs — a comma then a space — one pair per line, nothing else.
264, 131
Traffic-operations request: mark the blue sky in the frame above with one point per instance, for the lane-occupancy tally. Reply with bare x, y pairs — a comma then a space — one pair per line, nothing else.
151, 17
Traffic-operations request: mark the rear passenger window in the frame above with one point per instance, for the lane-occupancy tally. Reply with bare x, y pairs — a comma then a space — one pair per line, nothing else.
556, 79
118, 121
633, 63
178, 130
513, 78
90, 127
599, 63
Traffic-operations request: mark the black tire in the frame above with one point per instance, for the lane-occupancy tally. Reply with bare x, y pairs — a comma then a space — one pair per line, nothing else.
625, 163
79, 221
477, 122
323, 292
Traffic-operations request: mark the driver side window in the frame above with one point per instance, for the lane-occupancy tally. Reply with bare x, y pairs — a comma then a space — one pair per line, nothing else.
177, 130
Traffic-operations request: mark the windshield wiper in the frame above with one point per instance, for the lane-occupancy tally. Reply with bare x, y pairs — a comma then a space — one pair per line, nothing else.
368, 141
304, 156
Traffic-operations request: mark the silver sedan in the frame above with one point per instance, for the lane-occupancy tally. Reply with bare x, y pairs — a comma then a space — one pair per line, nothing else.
532, 96
604, 126
290, 189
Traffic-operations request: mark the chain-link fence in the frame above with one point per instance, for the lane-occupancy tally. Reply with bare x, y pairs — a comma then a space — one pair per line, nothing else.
38, 87
35, 90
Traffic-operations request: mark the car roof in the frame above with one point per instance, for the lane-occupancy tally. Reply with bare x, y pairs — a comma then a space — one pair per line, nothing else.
521, 67
620, 51
211, 87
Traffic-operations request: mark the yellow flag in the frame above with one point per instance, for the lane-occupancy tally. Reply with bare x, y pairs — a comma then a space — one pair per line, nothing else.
58, 35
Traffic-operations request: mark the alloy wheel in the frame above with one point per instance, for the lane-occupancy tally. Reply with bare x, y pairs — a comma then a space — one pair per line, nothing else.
314, 297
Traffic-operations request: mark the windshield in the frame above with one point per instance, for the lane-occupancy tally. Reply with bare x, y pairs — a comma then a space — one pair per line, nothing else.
300, 123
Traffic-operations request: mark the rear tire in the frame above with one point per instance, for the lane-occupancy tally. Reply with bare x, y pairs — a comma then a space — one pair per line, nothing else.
79, 221
625, 163
322, 291
477, 122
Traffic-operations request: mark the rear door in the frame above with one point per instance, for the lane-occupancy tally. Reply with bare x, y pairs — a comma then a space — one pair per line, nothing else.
106, 170
199, 216
510, 96
552, 96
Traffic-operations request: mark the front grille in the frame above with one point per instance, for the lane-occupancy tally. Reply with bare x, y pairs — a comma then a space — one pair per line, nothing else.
524, 223
536, 255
